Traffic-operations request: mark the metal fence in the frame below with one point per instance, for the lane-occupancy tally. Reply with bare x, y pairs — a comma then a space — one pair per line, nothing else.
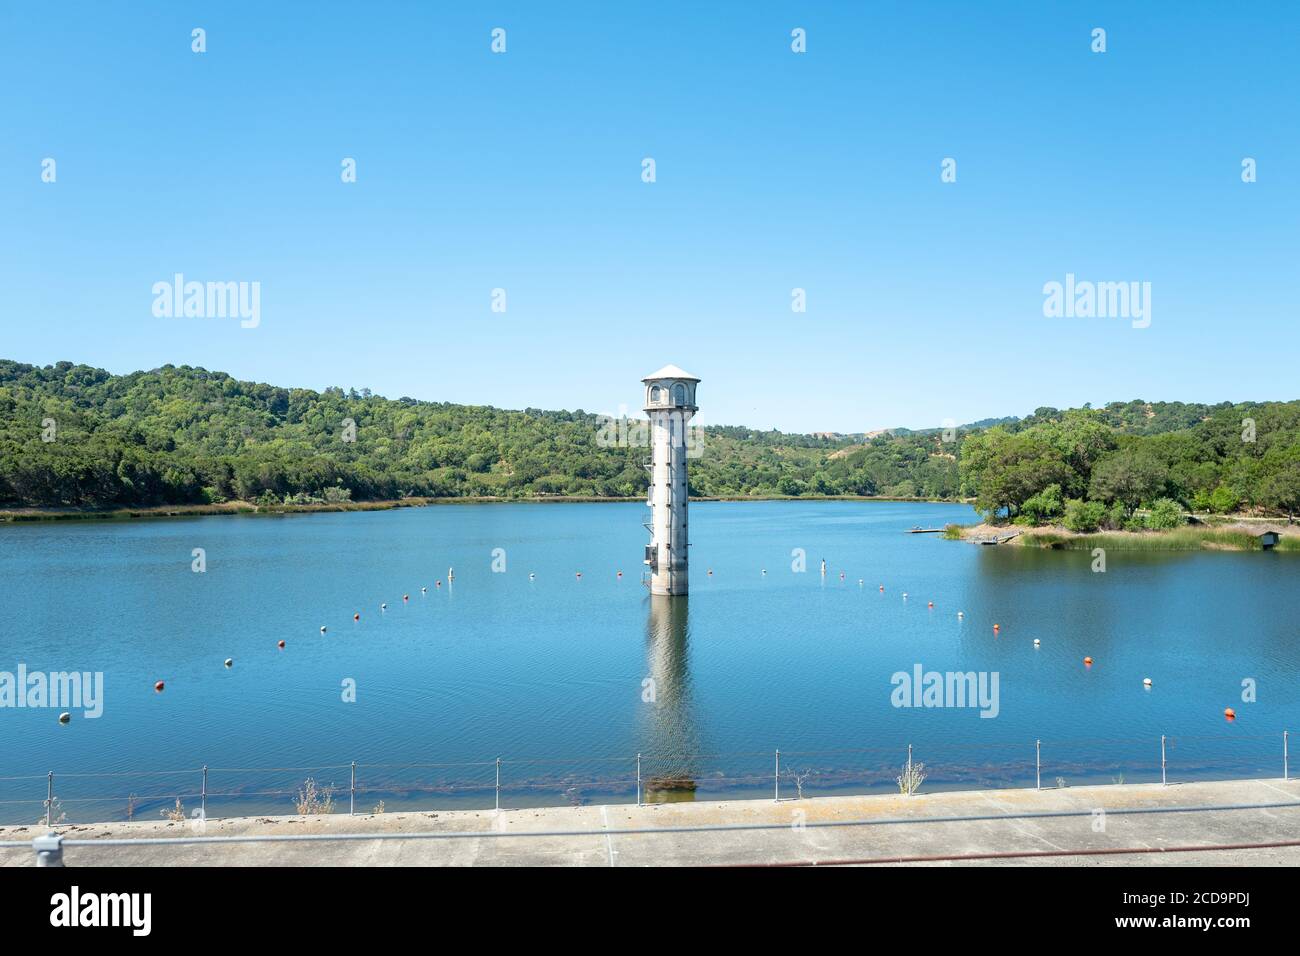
214, 792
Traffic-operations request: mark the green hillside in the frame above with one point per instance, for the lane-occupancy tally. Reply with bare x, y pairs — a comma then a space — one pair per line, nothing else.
76, 436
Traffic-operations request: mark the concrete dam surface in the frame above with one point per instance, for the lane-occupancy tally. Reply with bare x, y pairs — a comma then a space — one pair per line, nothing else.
1234, 823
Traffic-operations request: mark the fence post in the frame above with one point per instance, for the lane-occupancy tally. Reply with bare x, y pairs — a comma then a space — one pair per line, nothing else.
776, 779
49, 797
498, 783
352, 792
1163, 780
638, 780
49, 850
1286, 769
1038, 765
203, 794
908, 778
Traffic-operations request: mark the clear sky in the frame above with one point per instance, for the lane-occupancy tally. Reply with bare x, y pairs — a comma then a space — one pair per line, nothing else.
775, 170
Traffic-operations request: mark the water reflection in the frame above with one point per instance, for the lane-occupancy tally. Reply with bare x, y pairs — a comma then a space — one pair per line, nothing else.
671, 735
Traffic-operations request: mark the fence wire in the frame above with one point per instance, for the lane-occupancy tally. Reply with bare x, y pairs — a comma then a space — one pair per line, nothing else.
507, 782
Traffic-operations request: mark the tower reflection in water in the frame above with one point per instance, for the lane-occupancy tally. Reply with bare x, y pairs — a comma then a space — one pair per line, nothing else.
670, 754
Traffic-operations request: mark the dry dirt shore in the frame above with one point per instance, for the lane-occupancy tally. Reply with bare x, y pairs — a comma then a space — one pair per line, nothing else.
1238, 534
1219, 823
251, 508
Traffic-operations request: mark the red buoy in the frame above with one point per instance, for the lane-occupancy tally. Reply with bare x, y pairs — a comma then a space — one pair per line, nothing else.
280, 645
931, 604
356, 617
620, 574
997, 627
158, 687
1087, 662
1229, 713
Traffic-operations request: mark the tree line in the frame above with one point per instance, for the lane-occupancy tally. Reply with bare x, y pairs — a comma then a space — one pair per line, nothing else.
77, 436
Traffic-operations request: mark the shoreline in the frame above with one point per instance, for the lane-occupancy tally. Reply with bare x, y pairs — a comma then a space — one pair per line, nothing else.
19, 515
1230, 534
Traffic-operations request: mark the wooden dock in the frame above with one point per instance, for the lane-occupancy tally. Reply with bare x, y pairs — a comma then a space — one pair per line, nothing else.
997, 540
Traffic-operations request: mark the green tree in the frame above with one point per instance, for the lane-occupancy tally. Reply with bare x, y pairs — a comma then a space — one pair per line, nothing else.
1130, 476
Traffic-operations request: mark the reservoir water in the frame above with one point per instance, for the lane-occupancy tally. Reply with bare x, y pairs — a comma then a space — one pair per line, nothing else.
567, 678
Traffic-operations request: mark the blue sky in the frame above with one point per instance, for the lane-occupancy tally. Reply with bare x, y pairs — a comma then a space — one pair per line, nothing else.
775, 170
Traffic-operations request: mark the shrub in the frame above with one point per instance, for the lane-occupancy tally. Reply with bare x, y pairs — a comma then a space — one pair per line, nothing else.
313, 800
1044, 506
1223, 500
1165, 513
910, 780
1083, 515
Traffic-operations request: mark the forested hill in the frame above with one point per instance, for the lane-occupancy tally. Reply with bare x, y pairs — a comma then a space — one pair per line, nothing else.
71, 435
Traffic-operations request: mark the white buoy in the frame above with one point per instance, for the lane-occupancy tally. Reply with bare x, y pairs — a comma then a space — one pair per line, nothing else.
904, 595
765, 571
1035, 642
322, 628
531, 575
383, 607
424, 590
961, 613
1146, 682
230, 662
64, 717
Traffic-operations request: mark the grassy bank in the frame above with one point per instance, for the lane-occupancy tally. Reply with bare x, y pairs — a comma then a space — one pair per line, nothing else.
1228, 537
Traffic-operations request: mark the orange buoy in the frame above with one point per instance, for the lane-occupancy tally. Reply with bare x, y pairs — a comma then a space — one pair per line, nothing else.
158, 687
280, 645
1229, 713
997, 627
1087, 662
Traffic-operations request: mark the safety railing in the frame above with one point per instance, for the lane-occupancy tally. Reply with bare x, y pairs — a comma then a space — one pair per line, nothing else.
212, 792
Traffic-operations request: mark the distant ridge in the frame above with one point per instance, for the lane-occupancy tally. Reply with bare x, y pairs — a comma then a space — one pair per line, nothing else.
77, 436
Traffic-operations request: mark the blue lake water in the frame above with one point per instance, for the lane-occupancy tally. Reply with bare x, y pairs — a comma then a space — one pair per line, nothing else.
551, 673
